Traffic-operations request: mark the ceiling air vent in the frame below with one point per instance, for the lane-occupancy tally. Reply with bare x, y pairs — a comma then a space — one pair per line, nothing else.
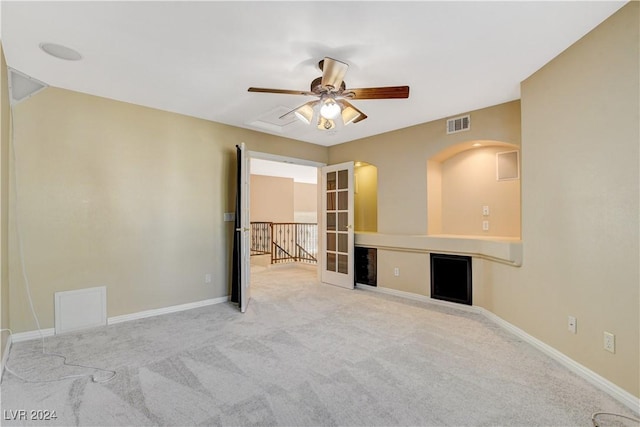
459, 124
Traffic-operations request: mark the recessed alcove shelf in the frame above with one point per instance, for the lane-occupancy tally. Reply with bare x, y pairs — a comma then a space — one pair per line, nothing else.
466, 199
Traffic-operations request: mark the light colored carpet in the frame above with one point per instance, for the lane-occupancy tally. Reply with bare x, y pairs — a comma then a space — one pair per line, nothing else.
304, 354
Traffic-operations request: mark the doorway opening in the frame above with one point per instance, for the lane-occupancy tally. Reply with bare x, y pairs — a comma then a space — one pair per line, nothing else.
283, 213
301, 214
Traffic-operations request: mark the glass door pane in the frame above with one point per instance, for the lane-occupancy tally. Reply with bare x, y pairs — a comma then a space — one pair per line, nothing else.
338, 213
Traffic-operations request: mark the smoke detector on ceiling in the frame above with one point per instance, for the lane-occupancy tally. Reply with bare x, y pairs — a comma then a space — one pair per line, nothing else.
61, 52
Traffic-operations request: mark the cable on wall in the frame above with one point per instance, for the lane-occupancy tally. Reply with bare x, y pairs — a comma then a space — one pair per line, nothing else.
27, 286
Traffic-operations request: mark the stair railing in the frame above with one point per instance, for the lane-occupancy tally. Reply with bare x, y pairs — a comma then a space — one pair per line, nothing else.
285, 241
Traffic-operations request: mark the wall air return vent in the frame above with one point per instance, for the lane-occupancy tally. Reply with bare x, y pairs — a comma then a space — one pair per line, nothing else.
22, 86
507, 166
459, 124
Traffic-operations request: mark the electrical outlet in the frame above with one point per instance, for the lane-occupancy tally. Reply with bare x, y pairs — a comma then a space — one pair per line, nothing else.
207, 278
396, 271
610, 342
485, 225
572, 324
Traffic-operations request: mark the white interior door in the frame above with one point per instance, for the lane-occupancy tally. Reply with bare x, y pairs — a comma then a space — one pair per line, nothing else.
337, 225
245, 228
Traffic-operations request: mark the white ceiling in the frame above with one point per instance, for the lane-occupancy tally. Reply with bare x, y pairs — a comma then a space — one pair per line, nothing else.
199, 58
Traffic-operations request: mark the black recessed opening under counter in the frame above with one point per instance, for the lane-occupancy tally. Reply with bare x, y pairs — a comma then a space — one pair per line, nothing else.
366, 266
451, 278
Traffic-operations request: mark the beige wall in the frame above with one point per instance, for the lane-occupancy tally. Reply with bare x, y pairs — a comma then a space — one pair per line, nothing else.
271, 199
413, 269
580, 192
276, 199
4, 201
305, 202
434, 197
366, 198
468, 183
124, 196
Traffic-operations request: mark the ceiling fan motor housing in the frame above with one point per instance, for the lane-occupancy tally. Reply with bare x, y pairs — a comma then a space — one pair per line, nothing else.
316, 86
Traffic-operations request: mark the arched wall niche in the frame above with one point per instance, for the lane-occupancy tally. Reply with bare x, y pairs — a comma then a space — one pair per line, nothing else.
461, 182
366, 197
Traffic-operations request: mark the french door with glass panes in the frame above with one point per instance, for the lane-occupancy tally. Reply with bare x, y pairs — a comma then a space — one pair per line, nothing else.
337, 231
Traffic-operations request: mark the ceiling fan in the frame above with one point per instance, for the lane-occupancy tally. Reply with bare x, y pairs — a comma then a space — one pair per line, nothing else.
332, 108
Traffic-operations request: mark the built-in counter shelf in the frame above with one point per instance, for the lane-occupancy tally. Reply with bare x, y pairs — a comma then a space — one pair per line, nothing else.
506, 250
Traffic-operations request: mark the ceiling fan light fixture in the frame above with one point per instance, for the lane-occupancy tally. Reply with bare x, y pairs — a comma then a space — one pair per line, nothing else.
330, 109
349, 115
304, 113
326, 124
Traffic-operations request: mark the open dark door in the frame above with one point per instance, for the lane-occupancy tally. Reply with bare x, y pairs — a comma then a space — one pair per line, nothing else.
240, 282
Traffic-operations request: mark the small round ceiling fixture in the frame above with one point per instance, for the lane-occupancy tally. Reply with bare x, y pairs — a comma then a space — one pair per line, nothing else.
61, 52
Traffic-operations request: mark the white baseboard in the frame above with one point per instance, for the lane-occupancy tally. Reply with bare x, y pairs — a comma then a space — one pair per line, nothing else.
33, 335
621, 395
417, 297
165, 310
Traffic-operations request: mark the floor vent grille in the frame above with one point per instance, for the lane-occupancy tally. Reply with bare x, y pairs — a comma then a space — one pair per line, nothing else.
80, 309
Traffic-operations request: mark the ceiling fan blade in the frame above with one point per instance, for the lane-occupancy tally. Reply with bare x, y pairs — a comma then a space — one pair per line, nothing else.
350, 114
389, 92
281, 91
333, 72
